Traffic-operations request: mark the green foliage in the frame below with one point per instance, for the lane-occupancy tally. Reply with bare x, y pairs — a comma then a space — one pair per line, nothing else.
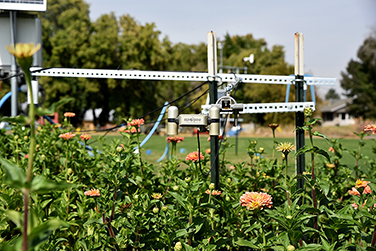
359, 80
155, 207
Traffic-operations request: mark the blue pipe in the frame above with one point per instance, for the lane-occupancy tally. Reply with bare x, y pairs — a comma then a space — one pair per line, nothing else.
164, 154
155, 125
6, 96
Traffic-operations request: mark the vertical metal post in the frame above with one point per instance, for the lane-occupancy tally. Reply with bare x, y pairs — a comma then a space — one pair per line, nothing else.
13, 67
299, 97
213, 96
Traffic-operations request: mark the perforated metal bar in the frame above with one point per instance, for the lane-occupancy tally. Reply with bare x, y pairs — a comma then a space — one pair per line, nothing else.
178, 76
270, 107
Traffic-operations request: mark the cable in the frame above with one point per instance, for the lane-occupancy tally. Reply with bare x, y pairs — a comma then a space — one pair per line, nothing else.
21, 73
224, 130
185, 94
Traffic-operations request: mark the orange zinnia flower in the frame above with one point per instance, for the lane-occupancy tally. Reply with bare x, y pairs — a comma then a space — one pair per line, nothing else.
194, 156
85, 137
214, 192
255, 200
353, 191
69, 114
361, 183
331, 149
370, 128
208, 151
93, 193
175, 139
67, 136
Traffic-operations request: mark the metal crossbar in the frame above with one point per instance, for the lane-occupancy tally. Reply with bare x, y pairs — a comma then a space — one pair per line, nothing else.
177, 76
267, 107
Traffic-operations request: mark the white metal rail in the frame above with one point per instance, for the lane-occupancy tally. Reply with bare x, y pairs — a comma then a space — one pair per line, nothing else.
179, 76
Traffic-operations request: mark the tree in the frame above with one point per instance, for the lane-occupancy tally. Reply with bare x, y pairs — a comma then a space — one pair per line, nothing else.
359, 82
332, 95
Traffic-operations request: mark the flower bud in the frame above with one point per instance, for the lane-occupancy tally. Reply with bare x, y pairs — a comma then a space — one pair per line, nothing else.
165, 208
308, 112
26, 138
290, 248
43, 157
211, 186
119, 149
178, 246
229, 180
70, 171
187, 179
156, 210
16, 137
228, 198
175, 188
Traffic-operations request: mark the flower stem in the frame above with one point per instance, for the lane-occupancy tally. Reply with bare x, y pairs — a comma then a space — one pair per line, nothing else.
30, 160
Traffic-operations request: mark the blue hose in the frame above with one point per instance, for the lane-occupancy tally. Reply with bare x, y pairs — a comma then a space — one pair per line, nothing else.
3, 99
155, 125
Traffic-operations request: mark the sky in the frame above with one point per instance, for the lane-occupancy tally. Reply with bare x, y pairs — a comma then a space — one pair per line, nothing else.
333, 30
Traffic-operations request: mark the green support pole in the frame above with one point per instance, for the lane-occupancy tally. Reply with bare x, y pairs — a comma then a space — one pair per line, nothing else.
213, 96
299, 133
214, 146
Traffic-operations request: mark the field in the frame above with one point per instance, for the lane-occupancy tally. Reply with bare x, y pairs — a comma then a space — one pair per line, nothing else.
154, 148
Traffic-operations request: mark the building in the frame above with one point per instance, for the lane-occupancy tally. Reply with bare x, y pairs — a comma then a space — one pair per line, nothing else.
336, 113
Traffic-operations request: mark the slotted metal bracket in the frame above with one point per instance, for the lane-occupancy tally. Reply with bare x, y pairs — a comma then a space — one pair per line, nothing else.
177, 76
268, 107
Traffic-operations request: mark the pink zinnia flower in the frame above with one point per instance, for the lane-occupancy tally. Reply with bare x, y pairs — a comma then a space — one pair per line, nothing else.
367, 190
255, 200
175, 139
370, 128
136, 122
67, 136
219, 137
85, 137
214, 192
194, 156
232, 167
93, 193
69, 114
353, 191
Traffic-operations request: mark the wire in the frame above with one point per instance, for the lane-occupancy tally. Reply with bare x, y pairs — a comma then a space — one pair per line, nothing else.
21, 73
223, 133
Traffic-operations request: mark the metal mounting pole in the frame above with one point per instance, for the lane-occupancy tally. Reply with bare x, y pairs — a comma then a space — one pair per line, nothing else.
213, 96
299, 97
13, 67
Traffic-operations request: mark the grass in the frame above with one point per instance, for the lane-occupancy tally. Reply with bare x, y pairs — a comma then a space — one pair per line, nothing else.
155, 147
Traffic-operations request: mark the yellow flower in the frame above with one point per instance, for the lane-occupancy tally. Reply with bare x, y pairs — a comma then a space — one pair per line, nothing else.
24, 54
285, 148
23, 50
156, 196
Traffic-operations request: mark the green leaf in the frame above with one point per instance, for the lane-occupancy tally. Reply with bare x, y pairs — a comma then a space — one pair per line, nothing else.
15, 176
20, 119
44, 111
304, 149
246, 243
41, 185
318, 134
180, 199
324, 186
41, 233
14, 216
321, 152
93, 221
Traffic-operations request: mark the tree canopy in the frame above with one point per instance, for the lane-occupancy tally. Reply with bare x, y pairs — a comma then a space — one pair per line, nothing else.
359, 80
71, 39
